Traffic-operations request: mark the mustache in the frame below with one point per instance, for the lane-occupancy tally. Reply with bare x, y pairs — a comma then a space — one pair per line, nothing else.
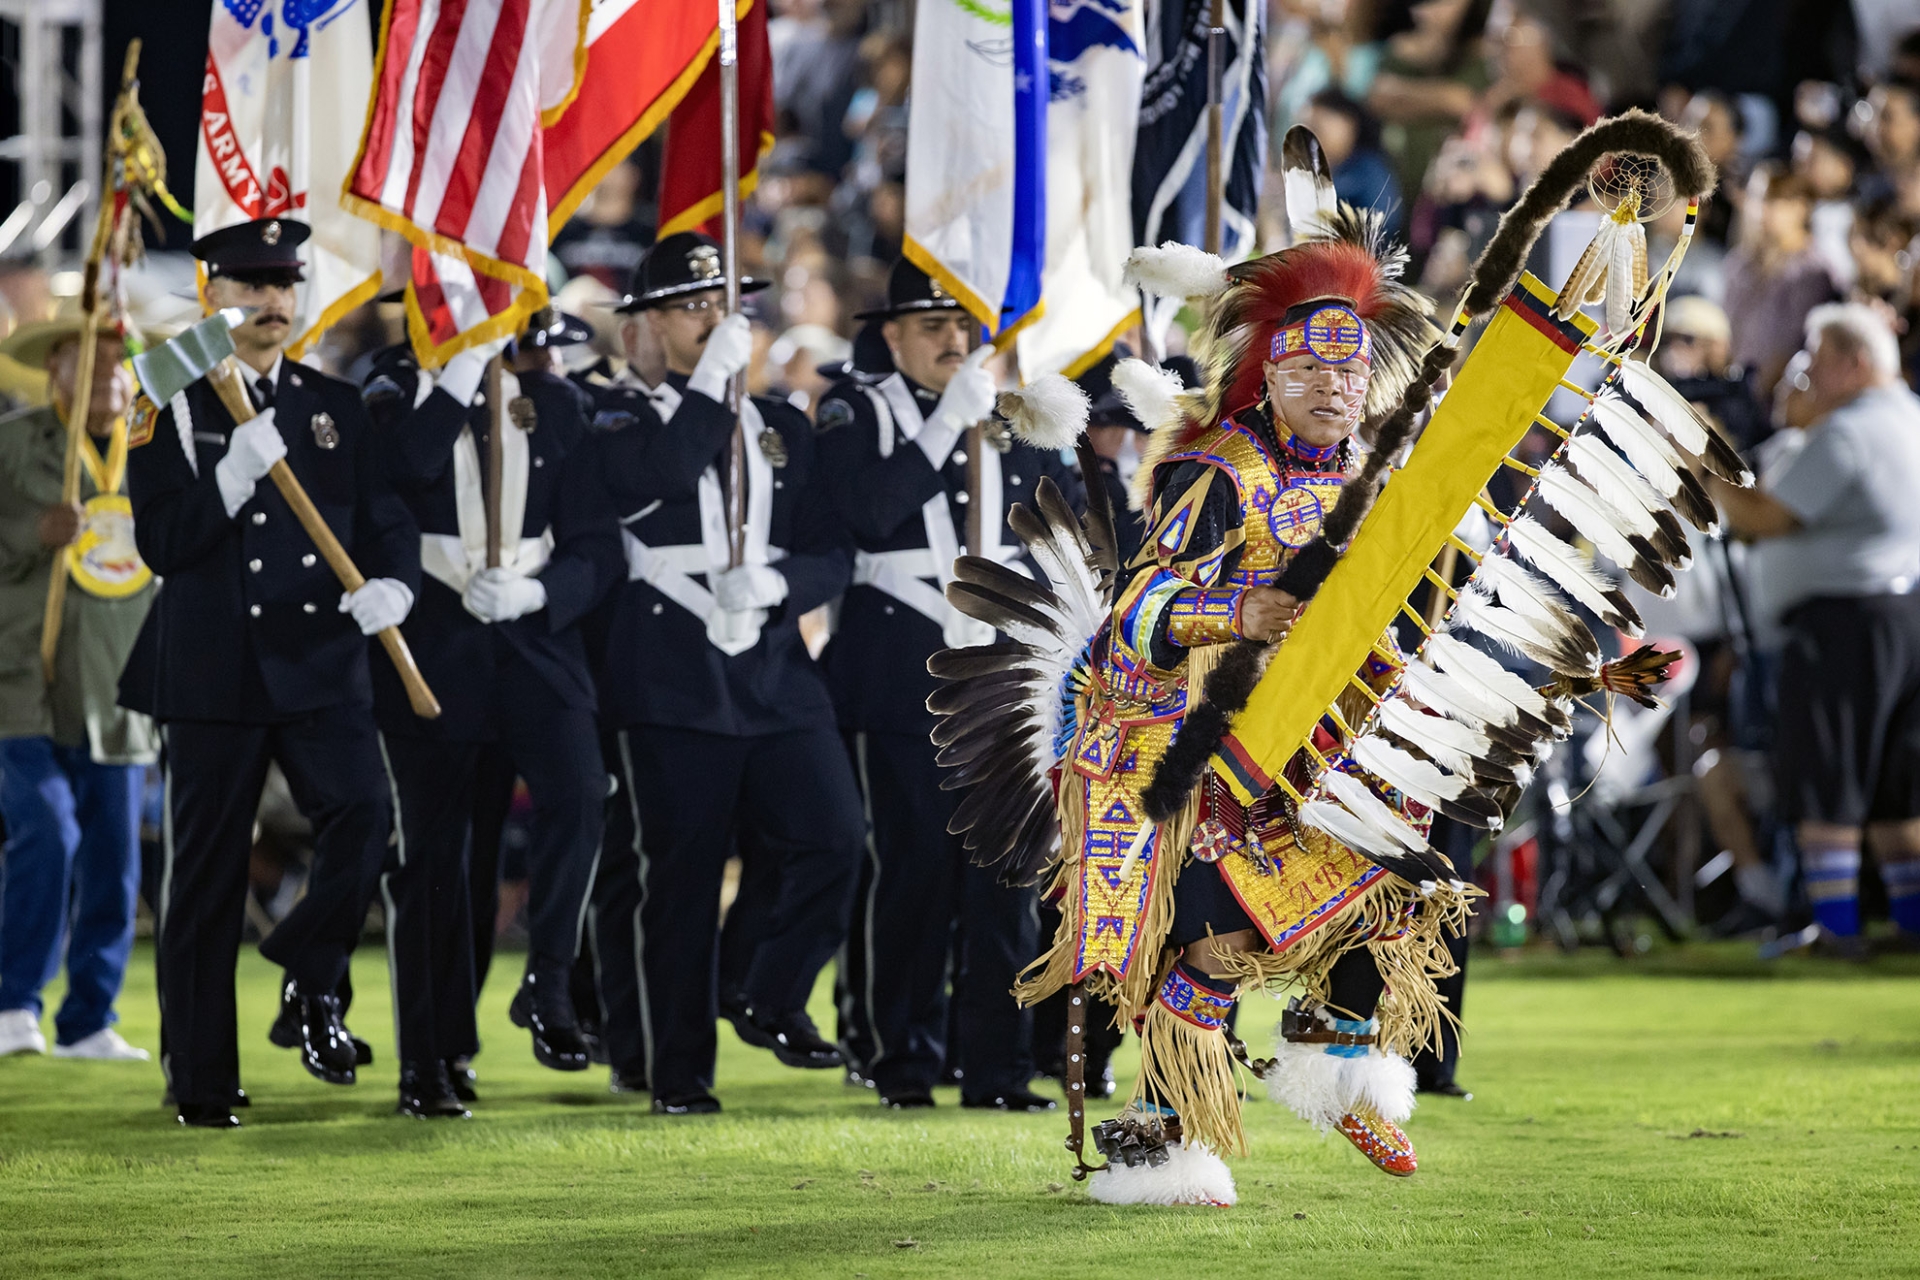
269, 317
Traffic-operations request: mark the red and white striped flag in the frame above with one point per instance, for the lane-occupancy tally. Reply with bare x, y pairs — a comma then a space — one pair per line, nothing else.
453, 156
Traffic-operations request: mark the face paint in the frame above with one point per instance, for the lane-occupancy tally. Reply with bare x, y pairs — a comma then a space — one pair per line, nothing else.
1316, 401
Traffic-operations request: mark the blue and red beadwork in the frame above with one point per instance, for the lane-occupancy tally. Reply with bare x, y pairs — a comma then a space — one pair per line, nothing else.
1332, 334
1190, 1001
1380, 1141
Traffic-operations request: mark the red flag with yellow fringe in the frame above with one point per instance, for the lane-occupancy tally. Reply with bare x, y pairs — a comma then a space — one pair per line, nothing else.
690, 183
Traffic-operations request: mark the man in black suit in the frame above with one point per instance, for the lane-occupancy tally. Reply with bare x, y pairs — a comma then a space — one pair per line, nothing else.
723, 720
252, 655
499, 645
893, 448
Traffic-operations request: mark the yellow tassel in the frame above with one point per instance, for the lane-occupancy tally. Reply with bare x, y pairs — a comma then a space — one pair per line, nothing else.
1188, 1069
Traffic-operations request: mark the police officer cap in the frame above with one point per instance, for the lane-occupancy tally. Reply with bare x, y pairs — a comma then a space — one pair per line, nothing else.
685, 262
264, 251
550, 328
909, 289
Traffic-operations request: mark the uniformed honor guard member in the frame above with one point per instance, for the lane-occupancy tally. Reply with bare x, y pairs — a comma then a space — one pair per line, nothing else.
252, 655
500, 647
895, 455
723, 720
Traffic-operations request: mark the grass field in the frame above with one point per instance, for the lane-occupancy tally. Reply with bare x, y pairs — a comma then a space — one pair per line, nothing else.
1689, 1114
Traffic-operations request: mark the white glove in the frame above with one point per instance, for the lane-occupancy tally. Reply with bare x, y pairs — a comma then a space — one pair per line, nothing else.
500, 595
751, 586
728, 349
252, 449
462, 375
378, 604
734, 631
968, 398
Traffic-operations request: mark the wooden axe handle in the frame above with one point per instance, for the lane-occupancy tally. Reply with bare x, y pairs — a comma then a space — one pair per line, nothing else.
233, 394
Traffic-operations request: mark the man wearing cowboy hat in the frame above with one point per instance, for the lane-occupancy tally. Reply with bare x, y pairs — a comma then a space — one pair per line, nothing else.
892, 446
72, 763
500, 647
723, 720
252, 656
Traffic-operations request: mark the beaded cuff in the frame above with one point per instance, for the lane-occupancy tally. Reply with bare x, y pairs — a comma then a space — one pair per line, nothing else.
1204, 615
1191, 1002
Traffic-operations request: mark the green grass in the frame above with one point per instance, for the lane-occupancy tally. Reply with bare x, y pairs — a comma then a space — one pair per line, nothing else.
1574, 1159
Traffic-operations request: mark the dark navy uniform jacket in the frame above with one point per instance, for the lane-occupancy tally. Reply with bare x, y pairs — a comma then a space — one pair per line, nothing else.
459, 655
247, 626
660, 668
877, 661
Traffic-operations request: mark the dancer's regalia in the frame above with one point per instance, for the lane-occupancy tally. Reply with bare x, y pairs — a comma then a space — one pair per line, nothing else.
1215, 813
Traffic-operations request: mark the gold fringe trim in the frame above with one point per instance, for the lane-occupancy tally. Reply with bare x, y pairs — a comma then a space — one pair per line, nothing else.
1188, 1070
1411, 953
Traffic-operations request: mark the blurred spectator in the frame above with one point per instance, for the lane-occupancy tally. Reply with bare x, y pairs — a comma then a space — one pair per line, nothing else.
1350, 136
1719, 125
1828, 161
1837, 555
1535, 65
612, 229
1696, 344
1429, 81
1881, 246
1774, 278
1889, 119
1314, 45
794, 361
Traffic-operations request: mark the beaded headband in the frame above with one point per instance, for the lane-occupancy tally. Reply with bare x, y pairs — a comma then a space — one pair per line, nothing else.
1333, 334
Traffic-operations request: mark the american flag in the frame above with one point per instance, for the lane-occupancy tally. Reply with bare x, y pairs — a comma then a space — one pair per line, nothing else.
453, 156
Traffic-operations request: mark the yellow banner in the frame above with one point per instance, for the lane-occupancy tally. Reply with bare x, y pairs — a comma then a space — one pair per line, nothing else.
1506, 381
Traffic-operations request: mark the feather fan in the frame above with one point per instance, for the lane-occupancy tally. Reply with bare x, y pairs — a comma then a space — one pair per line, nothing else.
1464, 662
1379, 816
1622, 488
1556, 650
1449, 743
1333, 819
1419, 781
1525, 594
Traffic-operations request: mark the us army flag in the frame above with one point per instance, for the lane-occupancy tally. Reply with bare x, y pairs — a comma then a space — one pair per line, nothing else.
285, 89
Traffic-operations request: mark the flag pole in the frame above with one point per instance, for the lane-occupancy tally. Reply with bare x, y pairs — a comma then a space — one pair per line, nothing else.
1216, 121
730, 256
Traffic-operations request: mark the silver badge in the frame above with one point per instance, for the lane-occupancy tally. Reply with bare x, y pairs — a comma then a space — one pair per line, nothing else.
521, 410
703, 262
270, 234
773, 448
325, 434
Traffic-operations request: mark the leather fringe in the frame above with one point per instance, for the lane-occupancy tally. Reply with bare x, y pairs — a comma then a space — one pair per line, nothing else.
1188, 1069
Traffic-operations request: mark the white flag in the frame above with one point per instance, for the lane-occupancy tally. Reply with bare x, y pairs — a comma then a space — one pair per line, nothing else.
976, 153
281, 105
1093, 112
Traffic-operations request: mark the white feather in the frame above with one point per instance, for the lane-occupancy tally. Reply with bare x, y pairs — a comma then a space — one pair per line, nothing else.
1152, 394
1176, 270
1621, 487
1453, 744
1584, 510
1457, 698
1527, 595
1549, 646
1620, 273
1412, 777
1376, 813
1330, 817
1465, 663
1649, 451
1310, 203
1570, 571
1671, 410
1048, 413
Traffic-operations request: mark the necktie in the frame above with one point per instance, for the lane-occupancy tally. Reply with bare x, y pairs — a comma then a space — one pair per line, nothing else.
263, 393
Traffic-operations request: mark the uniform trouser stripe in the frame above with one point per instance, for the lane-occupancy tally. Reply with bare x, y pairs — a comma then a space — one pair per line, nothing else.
391, 914
639, 910
873, 891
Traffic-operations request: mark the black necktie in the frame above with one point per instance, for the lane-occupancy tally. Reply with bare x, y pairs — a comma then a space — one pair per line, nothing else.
263, 393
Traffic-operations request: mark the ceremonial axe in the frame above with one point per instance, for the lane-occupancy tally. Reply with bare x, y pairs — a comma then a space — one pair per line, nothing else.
206, 351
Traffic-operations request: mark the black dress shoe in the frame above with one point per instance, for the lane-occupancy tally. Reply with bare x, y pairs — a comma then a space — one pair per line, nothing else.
462, 1080
426, 1092
544, 1007
1011, 1100
207, 1117
906, 1100
795, 1041
627, 1081
857, 1080
285, 1031
326, 1050
1446, 1089
240, 1099
362, 1051
691, 1104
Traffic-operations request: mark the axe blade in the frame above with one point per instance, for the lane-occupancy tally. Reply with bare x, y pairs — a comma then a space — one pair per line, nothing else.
168, 369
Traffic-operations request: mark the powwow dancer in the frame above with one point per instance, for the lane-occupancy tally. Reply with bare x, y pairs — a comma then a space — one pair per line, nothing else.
1219, 811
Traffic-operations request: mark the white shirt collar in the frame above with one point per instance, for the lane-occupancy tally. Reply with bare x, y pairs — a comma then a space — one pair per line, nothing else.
272, 375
